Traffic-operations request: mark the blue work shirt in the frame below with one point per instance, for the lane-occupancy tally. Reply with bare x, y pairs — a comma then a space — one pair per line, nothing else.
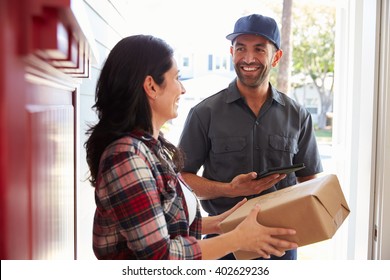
223, 135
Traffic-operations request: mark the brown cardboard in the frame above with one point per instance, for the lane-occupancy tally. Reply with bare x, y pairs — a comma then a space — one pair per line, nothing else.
315, 209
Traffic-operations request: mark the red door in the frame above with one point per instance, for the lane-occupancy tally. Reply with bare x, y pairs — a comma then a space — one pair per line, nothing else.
43, 56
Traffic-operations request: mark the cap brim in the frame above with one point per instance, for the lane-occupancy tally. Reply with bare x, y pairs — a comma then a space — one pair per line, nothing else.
233, 36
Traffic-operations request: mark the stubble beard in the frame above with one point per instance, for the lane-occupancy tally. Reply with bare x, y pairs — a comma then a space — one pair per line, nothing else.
252, 82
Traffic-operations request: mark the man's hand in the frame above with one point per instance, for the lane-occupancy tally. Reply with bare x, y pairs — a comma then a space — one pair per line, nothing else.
246, 185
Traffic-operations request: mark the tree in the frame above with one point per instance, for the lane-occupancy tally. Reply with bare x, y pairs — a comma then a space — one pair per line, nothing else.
313, 56
283, 79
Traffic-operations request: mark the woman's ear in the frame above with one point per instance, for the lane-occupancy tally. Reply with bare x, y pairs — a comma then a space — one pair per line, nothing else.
150, 87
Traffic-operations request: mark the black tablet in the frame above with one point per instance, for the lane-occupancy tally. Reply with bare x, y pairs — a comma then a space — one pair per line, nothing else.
280, 170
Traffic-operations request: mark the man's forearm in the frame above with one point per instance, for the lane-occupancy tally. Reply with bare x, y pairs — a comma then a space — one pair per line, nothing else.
206, 189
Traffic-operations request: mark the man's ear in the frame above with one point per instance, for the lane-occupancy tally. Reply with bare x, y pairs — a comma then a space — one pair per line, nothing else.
150, 87
278, 55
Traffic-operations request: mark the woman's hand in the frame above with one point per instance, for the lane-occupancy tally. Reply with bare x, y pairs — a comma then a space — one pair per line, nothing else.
261, 239
213, 224
249, 235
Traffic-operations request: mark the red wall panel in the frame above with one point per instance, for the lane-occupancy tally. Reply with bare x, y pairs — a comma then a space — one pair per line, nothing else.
13, 168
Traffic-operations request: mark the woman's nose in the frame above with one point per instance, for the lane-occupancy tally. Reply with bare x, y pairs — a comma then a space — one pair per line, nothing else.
183, 89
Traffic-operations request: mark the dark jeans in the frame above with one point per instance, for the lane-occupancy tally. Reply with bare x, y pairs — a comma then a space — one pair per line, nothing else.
289, 255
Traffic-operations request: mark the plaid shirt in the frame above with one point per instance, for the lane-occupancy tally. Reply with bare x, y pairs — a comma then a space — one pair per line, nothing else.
141, 211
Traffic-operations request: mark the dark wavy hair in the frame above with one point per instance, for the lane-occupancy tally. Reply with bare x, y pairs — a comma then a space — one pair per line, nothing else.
120, 100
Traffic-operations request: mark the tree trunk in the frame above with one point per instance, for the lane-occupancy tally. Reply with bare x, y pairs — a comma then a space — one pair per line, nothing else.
283, 80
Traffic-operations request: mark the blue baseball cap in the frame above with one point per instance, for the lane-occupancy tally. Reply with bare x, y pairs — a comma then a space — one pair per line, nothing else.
257, 25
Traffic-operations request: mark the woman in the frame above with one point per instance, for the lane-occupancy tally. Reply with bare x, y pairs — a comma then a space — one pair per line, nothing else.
144, 210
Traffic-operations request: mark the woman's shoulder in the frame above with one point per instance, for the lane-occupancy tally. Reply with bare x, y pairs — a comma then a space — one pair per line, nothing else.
126, 144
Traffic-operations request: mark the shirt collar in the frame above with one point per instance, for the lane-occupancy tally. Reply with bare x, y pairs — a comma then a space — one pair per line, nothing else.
147, 138
233, 93
277, 96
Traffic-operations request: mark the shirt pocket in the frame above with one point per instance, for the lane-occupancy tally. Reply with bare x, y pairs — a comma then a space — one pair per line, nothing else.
228, 157
283, 144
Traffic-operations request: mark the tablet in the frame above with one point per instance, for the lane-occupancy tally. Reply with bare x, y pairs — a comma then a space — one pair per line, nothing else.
280, 170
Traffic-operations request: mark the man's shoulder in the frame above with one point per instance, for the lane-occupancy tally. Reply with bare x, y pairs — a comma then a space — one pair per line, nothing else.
212, 100
289, 101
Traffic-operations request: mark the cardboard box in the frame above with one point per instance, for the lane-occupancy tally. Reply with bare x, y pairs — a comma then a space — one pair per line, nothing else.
315, 209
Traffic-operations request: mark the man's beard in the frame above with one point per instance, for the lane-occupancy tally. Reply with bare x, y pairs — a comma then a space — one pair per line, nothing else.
254, 81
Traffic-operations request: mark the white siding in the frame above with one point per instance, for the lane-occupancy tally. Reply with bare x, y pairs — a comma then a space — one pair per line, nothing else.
108, 27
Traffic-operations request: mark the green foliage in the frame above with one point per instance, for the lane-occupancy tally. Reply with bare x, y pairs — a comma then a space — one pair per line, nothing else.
313, 40
323, 136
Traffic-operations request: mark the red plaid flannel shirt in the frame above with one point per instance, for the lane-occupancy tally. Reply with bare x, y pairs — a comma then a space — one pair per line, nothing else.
141, 212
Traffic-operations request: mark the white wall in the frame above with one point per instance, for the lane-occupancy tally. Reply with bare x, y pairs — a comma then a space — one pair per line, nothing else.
356, 119
381, 242
108, 27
